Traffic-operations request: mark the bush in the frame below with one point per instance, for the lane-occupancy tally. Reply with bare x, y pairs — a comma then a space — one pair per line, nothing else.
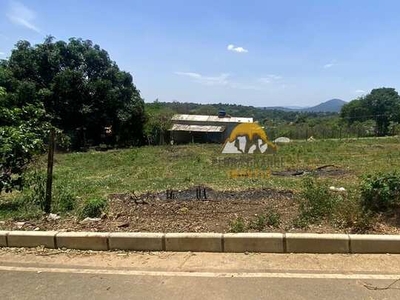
63, 199
349, 213
316, 201
381, 192
34, 191
237, 225
259, 223
273, 218
93, 208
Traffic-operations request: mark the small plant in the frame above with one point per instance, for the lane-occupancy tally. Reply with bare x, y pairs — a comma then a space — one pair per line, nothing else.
258, 223
317, 202
301, 222
381, 192
34, 192
349, 213
64, 199
273, 218
93, 208
237, 225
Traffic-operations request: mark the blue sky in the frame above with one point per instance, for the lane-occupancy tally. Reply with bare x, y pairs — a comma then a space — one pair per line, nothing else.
261, 53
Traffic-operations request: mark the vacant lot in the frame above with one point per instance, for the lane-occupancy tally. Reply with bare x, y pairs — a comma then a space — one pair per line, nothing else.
178, 167
135, 183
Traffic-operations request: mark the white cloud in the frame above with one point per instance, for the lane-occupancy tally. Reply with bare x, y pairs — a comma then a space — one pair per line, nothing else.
236, 49
21, 15
264, 80
244, 86
2, 53
327, 66
222, 79
360, 91
269, 78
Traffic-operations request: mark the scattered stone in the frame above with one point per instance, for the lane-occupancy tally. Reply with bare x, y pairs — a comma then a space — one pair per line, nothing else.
53, 217
282, 140
90, 220
184, 210
2, 222
123, 224
336, 189
311, 139
20, 224
36, 229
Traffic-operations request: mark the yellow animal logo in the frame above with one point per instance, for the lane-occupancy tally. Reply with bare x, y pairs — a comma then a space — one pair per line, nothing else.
248, 138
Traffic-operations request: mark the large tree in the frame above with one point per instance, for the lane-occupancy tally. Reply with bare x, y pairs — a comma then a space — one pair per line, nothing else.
381, 105
22, 131
78, 85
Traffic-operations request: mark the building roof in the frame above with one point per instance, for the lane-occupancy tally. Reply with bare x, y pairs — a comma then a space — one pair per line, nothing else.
197, 128
205, 118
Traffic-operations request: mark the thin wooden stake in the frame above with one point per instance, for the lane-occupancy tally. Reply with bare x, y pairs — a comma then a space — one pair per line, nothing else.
50, 162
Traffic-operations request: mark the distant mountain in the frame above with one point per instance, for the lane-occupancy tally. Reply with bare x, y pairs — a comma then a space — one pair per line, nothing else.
333, 105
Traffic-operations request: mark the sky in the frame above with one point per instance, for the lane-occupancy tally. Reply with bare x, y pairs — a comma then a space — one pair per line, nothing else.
260, 53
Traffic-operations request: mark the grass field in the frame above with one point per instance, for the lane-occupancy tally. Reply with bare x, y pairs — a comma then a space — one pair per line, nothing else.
158, 168
82, 177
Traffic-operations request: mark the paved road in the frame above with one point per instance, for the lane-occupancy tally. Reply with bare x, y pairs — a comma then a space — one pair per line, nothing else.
45, 274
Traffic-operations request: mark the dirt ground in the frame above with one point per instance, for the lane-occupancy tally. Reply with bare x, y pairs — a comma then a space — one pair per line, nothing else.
191, 211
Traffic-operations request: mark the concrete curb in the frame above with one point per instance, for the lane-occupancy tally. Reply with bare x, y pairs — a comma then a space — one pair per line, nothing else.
364, 243
136, 241
32, 239
205, 242
195, 242
83, 240
250, 242
317, 243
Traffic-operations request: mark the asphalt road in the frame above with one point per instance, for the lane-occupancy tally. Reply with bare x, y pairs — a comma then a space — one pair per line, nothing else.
45, 274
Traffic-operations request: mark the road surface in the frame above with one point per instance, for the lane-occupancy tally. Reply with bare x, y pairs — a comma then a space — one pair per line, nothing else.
55, 274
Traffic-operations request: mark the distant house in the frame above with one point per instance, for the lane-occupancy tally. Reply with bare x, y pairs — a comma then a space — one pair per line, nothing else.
203, 128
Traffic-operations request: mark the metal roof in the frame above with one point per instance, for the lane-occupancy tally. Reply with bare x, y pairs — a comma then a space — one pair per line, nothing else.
205, 118
197, 128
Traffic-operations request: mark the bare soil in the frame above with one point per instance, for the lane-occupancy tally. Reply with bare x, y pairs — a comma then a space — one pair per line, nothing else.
189, 211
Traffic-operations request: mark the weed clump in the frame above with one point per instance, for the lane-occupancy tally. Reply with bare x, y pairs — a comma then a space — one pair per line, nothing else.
316, 201
271, 218
237, 225
342, 210
93, 208
381, 192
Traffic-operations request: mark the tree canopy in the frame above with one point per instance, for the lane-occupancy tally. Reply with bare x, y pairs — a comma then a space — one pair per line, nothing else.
73, 86
77, 85
382, 105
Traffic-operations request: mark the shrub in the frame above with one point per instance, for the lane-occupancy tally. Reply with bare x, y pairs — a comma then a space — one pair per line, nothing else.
34, 191
258, 223
93, 208
237, 225
273, 218
349, 213
381, 192
316, 202
63, 199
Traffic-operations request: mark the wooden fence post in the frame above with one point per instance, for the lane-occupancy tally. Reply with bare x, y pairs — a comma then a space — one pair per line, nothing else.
50, 162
